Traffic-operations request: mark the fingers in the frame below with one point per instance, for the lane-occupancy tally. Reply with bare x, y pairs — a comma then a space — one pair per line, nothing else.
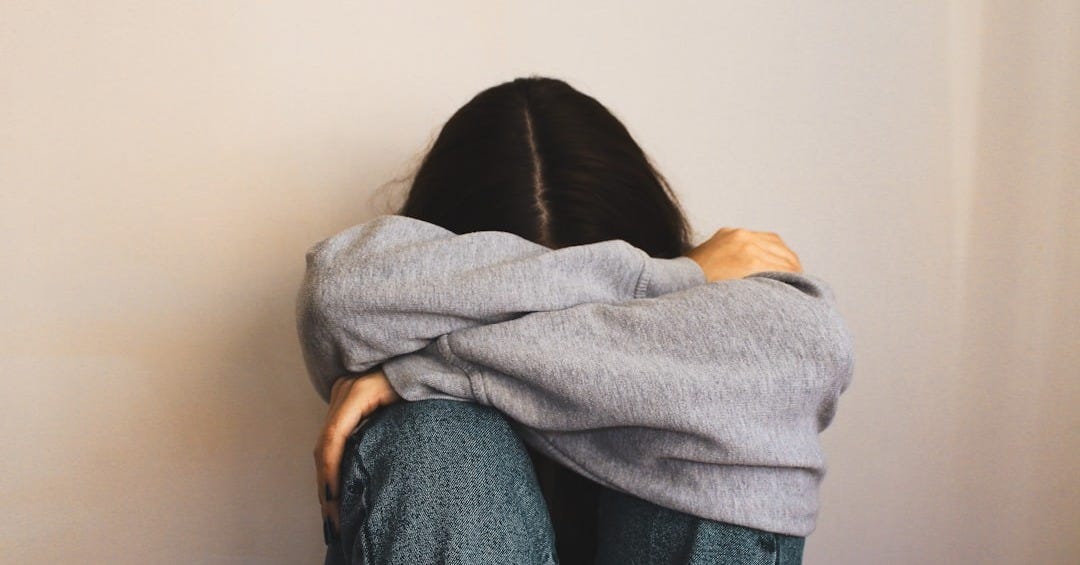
329, 448
780, 256
351, 400
328, 453
783, 257
770, 260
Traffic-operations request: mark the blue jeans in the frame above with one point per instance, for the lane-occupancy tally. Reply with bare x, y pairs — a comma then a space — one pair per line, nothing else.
450, 482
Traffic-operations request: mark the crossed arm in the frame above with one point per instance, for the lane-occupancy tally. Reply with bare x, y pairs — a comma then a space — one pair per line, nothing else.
390, 286
577, 343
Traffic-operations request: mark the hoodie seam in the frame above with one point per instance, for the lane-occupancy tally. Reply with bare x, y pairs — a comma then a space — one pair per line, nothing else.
475, 377
644, 276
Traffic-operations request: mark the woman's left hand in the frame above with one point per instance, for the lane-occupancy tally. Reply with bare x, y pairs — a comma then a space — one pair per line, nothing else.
352, 398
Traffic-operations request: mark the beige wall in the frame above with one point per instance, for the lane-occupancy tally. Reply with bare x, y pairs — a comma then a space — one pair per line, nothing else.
164, 166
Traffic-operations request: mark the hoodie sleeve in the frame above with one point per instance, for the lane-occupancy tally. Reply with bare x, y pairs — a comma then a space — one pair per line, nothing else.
769, 340
707, 399
392, 285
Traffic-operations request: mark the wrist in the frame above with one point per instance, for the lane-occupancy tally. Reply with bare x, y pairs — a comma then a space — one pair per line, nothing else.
662, 276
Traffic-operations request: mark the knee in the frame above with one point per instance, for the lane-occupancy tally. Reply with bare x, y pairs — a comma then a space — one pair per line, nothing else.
456, 438
435, 478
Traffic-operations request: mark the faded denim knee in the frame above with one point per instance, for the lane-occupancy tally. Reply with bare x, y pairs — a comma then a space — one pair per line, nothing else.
441, 481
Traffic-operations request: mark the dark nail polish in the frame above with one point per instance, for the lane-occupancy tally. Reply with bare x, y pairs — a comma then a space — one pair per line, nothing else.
326, 530
326, 487
335, 536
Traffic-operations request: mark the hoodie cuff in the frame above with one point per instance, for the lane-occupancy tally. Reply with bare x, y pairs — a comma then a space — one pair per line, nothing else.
425, 374
661, 276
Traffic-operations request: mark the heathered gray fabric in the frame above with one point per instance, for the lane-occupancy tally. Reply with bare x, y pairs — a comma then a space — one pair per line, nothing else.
634, 371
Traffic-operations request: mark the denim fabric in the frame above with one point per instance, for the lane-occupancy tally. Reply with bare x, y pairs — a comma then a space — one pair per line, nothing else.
633, 531
440, 481
450, 482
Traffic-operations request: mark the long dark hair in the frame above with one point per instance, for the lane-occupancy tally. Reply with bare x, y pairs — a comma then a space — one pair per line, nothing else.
535, 157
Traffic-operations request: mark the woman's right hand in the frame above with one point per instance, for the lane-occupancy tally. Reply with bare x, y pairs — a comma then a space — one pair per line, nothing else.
733, 253
353, 398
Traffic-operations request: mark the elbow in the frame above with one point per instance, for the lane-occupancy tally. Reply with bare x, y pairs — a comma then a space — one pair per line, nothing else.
832, 339
317, 342
823, 345
841, 371
833, 350
320, 304
316, 298
826, 349
330, 279
836, 355
842, 350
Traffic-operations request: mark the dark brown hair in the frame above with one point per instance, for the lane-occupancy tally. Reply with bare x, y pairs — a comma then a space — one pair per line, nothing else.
535, 157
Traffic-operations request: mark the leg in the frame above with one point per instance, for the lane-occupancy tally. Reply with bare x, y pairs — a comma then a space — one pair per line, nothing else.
633, 531
571, 501
440, 481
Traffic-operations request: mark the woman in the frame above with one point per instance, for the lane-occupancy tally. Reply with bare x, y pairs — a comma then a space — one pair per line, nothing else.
543, 369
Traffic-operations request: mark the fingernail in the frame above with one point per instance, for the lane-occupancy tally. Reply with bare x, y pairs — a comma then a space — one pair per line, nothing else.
326, 530
326, 487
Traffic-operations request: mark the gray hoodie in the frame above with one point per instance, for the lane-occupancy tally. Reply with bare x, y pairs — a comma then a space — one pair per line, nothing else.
633, 371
